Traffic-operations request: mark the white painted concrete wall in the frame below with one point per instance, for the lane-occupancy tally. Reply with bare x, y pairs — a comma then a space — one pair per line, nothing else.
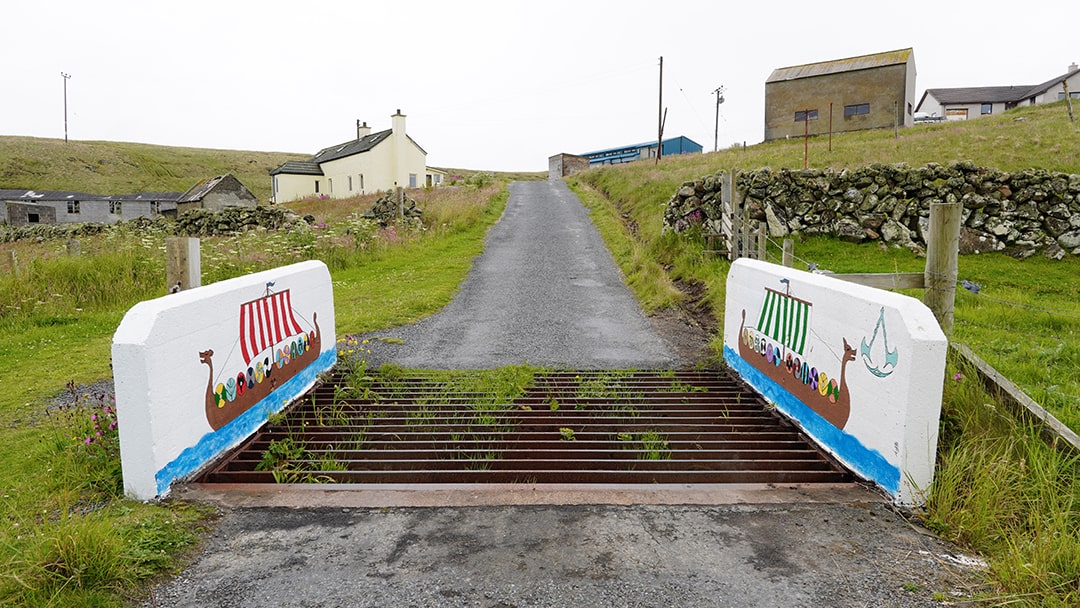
165, 373
890, 434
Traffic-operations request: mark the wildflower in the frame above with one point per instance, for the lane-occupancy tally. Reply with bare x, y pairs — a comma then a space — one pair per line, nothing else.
89, 440
957, 377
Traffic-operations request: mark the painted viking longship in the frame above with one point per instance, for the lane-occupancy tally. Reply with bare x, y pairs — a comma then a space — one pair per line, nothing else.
778, 347
273, 348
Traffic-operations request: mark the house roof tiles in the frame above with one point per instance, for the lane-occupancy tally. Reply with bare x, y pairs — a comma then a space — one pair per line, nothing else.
350, 147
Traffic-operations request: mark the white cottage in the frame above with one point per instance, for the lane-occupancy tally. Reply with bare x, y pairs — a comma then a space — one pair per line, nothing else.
372, 162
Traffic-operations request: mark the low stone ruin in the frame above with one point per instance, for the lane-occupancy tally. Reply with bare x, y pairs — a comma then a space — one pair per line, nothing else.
386, 209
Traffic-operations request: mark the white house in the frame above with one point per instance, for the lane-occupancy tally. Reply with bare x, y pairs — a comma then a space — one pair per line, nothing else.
972, 102
372, 162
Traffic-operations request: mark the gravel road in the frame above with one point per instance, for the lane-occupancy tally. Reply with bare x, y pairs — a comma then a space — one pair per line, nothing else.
546, 292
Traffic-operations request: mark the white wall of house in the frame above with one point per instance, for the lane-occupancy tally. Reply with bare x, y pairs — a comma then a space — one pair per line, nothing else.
395, 161
289, 187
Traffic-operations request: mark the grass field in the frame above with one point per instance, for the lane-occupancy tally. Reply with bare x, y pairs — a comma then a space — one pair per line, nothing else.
70, 539
1000, 490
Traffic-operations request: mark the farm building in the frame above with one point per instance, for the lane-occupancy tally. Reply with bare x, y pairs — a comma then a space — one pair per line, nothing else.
22, 207
626, 154
866, 92
564, 164
215, 194
372, 162
972, 102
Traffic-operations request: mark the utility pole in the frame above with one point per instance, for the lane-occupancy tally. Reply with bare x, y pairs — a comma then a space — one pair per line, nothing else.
716, 131
65, 77
660, 116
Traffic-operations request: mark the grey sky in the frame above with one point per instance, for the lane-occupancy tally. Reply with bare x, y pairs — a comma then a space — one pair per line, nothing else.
485, 85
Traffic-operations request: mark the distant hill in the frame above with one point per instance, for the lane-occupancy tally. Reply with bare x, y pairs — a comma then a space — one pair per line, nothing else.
100, 167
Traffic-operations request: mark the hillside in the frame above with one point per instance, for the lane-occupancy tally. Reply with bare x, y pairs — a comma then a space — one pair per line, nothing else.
123, 168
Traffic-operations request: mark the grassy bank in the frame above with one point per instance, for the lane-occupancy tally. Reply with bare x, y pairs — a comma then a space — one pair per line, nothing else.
69, 538
1000, 490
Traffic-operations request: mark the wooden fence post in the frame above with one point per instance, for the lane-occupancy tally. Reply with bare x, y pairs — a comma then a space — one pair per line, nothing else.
14, 263
942, 253
789, 253
183, 264
762, 240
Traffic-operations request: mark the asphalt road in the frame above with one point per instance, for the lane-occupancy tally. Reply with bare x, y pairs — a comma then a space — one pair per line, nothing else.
546, 292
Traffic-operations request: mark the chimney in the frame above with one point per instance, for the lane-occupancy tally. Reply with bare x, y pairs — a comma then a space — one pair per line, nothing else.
398, 123
362, 130
1072, 67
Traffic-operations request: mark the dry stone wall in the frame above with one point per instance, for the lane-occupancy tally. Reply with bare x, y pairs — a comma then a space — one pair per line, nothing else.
1021, 212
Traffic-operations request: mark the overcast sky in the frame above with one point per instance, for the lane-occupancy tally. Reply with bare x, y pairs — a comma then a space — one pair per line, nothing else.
484, 85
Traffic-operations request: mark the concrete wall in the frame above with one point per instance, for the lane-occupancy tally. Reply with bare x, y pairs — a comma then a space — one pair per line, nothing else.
189, 386
23, 214
562, 165
859, 369
879, 87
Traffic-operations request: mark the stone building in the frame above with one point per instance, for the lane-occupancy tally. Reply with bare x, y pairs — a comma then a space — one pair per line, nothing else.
215, 194
562, 165
866, 92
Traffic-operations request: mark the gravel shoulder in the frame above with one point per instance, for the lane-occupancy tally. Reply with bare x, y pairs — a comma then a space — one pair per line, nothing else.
529, 300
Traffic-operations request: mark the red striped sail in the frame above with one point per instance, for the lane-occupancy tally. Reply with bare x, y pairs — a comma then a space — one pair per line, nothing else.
265, 322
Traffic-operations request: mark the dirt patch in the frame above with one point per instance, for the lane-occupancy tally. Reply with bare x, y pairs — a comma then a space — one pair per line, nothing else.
689, 329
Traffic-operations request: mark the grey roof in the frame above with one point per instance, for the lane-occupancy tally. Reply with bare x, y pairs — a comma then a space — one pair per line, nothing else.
1004, 94
148, 196
34, 196
298, 167
1042, 88
355, 146
980, 94
200, 190
836, 66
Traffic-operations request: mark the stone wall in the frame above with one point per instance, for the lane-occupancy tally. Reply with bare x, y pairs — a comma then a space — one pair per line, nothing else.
197, 223
1021, 213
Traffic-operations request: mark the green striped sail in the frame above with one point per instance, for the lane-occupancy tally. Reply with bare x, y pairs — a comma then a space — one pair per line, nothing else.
785, 319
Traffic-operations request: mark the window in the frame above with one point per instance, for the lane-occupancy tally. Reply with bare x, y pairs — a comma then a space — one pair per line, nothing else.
1072, 95
155, 207
32, 218
115, 208
857, 109
805, 115
987, 108
330, 184
412, 180
316, 186
361, 183
73, 207
350, 183
909, 111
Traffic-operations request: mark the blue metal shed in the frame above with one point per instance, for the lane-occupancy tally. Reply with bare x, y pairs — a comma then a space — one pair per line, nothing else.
625, 154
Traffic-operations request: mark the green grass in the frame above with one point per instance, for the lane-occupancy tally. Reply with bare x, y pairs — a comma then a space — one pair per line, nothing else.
1000, 490
68, 537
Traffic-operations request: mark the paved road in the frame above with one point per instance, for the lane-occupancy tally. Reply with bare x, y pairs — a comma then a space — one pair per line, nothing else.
546, 292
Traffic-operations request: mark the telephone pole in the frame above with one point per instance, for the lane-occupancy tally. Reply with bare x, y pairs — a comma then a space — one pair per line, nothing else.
716, 131
66, 77
660, 116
